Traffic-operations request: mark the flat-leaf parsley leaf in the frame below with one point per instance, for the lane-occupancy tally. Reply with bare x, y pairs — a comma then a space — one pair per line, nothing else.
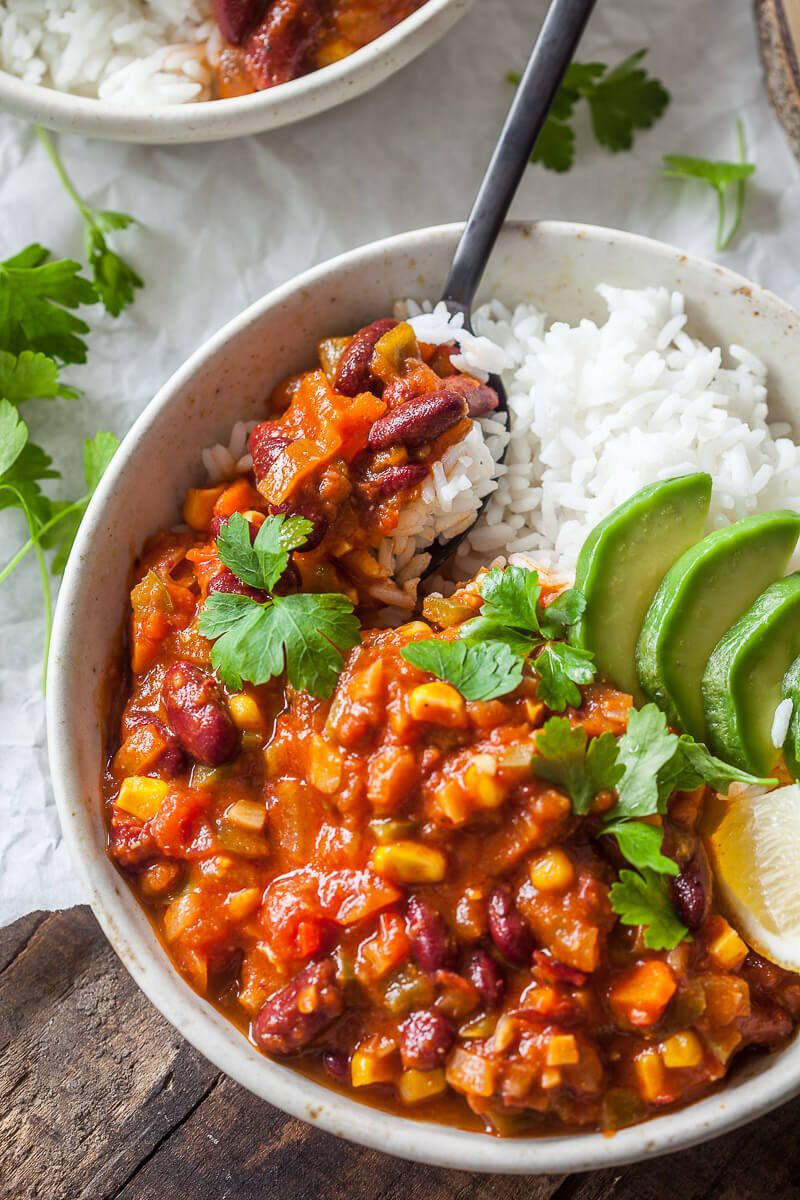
566, 757
480, 672
644, 899
307, 635
719, 175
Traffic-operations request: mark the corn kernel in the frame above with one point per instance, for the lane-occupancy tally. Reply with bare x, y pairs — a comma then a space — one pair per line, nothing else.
437, 703
244, 903
552, 871
198, 507
254, 517
415, 1086
650, 1075
141, 797
414, 629
482, 782
550, 1078
247, 814
367, 1067
409, 862
245, 711
330, 52
728, 950
562, 1050
324, 766
682, 1050
534, 710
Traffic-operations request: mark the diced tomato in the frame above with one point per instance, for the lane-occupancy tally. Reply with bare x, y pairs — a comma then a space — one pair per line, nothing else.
158, 607
308, 898
181, 828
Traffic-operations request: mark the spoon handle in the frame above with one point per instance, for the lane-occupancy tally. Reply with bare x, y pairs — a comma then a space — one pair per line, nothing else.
550, 57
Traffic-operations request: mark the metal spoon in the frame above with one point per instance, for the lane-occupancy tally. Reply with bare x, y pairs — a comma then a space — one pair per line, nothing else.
550, 57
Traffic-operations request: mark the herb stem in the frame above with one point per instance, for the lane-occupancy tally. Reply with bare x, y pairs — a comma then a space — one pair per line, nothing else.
741, 185
82, 207
36, 537
722, 242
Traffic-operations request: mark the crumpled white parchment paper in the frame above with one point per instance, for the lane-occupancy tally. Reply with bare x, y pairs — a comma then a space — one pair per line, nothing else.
223, 223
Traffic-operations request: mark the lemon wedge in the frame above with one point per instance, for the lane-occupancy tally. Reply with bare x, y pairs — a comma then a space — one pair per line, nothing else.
754, 847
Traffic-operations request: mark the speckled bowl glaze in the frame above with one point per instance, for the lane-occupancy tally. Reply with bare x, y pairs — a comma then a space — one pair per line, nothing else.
218, 120
552, 264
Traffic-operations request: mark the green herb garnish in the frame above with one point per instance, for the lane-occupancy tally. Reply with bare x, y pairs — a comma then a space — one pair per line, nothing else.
719, 175
621, 100
114, 279
644, 899
513, 624
566, 757
305, 635
481, 672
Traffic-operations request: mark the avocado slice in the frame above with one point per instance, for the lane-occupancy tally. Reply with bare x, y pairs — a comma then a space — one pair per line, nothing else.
791, 691
701, 597
623, 561
743, 678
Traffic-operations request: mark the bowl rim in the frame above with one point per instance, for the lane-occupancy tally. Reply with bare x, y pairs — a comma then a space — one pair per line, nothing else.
438, 1145
236, 116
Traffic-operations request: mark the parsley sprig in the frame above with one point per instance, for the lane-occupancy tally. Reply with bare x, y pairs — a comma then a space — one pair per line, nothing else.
512, 625
306, 635
720, 176
621, 100
645, 766
114, 279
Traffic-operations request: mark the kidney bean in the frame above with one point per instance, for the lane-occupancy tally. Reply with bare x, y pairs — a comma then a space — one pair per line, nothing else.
197, 714
766, 1024
485, 975
425, 1039
508, 928
230, 585
419, 420
312, 512
265, 445
172, 760
276, 48
337, 1064
300, 1011
399, 479
558, 972
354, 373
692, 889
238, 18
480, 398
430, 943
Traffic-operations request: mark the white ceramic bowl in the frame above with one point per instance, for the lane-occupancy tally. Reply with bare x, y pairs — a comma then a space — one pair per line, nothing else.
216, 120
556, 266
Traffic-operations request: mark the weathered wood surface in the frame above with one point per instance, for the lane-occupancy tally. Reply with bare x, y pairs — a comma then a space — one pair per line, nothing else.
779, 35
100, 1098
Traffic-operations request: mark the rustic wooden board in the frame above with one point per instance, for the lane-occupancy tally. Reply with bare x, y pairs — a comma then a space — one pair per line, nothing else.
100, 1099
779, 34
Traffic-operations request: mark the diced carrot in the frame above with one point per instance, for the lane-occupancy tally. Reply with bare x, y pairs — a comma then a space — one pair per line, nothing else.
239, 497
642, 994
198, 507
385, 949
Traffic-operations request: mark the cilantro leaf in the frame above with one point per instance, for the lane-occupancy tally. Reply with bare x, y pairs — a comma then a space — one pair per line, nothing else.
35, 299
13, 437
694, 764
625, 100
641, 845
644, 748
307, 635
644, 899
562, 612
114, 279
581, 768
97, 454
620, 101
719, 175
261, 563
28, 375
480, 672
511, 597
561, 668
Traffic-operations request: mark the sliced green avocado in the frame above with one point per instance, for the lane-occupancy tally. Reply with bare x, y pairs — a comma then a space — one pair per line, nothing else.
791, 691
744, 676
700, 597
623, 561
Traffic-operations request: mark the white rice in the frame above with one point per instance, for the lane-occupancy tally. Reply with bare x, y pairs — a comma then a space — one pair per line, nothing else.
597, 412
133, 53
